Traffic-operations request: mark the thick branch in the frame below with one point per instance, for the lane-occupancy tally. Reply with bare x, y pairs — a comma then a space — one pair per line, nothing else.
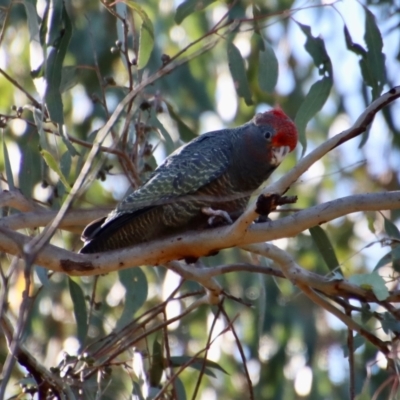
197, 244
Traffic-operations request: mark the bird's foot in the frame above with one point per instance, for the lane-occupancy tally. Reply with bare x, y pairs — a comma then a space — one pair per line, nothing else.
216, 216
270, 202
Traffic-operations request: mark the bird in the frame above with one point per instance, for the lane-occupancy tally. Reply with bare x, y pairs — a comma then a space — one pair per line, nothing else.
205, 183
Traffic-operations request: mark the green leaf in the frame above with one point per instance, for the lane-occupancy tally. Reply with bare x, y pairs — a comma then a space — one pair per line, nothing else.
189, 7
65, 164
7, 165
390, 323
154, 121
146, 40
325, 247
391, 257
53, 164
146, 44
78, 300
185, 133
157, 364
60, 32
375, 56
197, 363
391, 229
315, 46
238, 72
136, 286
312, 103
372, 281
366, 313
267, 69
179, 389
320, 90
33, 21
354, 47
38, 118
69, 78
36, 49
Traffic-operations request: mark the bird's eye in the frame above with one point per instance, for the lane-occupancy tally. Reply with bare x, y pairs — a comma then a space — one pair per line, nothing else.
268, 135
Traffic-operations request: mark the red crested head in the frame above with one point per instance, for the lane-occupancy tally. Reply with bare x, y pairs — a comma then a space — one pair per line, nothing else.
285, 129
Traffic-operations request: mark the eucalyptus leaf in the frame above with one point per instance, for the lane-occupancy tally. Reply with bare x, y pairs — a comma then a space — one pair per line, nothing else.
375, 56
325, 247
188, 7
267, 69
313, 102
238, 72
54, 165
391, 229
80, 312
157, 364
372, 281
146, 39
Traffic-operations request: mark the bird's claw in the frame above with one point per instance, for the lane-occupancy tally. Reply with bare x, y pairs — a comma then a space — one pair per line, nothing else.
216, 215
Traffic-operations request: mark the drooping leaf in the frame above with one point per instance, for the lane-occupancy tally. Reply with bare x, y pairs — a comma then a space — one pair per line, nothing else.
78, 300
312, 103
53, 164
391, 229
65, 164
391, 257
7, 165
185, 133
188, 7
146, 44
154, 121
197, 363
372, 61
136, 286
179, 389
38, 118
376, 58
60, 32
320, 90
36, 50
366, 313
325, 247
238, 72
267, 69
390, 323
146, 39
157, 364
372, 281
315, 46
69, 78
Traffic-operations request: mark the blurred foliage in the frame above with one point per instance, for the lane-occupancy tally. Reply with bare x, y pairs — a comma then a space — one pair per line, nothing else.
65, 67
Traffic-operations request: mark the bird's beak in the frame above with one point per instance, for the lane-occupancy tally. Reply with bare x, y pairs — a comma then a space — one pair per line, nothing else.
279, 153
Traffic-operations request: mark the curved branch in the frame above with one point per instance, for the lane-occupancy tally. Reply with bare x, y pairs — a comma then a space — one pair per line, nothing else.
196, 244
300, 278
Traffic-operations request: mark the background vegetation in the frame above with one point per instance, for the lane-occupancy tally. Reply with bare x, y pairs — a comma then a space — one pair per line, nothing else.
170, 71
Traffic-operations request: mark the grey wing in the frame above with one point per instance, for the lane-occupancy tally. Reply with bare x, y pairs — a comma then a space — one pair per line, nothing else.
184, 172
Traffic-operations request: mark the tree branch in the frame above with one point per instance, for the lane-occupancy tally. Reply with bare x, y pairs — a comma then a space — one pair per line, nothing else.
196, 244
